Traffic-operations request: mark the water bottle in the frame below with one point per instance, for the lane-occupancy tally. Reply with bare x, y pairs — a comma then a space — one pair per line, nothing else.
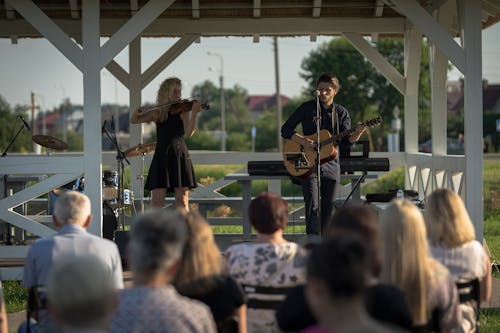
400, 195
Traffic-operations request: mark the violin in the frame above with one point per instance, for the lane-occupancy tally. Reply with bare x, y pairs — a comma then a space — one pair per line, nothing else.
178, 107
184, 106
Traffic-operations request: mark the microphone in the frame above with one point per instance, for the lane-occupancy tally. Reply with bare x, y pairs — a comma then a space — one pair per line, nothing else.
316, 93
25, 123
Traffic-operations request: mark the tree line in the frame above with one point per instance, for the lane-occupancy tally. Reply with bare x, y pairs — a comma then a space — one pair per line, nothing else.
364, 92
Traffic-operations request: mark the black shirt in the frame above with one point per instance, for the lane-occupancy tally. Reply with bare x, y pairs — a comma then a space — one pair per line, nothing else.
305, 115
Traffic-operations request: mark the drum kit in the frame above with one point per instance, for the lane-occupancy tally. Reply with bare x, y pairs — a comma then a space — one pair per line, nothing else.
115, 197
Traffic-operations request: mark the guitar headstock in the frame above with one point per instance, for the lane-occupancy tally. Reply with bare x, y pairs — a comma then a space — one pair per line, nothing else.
373, 122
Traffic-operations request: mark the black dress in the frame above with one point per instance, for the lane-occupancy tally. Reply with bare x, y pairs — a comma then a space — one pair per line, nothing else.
171, 166
223, 295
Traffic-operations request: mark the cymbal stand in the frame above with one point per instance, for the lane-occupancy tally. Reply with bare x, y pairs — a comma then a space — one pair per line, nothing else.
120, 157
141, 180
7, 235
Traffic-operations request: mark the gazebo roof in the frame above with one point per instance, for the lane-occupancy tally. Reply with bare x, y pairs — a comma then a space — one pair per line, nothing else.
222, 17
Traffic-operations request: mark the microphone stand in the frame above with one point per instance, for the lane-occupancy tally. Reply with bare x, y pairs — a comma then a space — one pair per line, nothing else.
120, 156
7, 235
317, 120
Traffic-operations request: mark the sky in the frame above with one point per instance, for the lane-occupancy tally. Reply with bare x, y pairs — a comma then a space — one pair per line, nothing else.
36, 65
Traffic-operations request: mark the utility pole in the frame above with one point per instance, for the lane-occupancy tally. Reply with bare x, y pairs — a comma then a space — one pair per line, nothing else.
278, 94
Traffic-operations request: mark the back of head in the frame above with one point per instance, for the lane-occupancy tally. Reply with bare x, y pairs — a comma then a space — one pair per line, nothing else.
72, 207
447, 220
268, 213
201, 257
81, 292
156, 241
362, 221
406, 255
341, 262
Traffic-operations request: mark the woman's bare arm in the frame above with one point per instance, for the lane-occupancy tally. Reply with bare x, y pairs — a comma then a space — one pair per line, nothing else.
143, 115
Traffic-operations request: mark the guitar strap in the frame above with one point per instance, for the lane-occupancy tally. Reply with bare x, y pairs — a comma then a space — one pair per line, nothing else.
335, 123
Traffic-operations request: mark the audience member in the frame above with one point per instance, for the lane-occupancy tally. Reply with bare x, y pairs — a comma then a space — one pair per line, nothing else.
360, 221
81, 294
428, 286
157, 239
453, 243
271, 261
72, 216
336, 285
200, 277
3, 313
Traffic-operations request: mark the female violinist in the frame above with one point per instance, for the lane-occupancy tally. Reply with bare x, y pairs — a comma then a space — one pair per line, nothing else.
171, 169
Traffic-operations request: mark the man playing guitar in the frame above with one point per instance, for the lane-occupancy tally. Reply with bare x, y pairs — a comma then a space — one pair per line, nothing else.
334, 118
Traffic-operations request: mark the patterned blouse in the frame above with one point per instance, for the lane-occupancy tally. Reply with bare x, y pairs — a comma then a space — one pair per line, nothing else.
266, 265
160, 310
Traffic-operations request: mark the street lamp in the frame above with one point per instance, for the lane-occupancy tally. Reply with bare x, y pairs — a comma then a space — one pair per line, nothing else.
222, 100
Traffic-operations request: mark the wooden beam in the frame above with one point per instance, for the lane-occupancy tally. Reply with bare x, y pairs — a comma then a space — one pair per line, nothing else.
50, 30
379, 9
134, 7
225, 26
73, 6
316, 11
195, 5
377, 60
166, 59
430, 28
133, 28
256, 8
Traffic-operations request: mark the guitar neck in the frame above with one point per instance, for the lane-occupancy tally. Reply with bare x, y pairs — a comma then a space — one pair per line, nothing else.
338, 137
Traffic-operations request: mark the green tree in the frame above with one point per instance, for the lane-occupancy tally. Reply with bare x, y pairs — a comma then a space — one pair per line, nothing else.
238, 118
10, 124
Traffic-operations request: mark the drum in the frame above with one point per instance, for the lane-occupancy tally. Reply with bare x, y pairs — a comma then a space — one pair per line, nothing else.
110, 181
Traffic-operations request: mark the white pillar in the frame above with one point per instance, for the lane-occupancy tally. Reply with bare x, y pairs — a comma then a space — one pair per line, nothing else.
135, 99
92, 110
412, 55
473, 114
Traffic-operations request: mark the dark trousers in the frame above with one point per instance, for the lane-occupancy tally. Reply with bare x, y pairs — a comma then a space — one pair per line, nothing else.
330, 172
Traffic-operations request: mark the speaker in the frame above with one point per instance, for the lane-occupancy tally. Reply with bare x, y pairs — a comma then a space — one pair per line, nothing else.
121, 239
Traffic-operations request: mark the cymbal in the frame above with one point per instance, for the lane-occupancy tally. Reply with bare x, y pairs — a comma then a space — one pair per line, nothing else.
140, 149
49, 142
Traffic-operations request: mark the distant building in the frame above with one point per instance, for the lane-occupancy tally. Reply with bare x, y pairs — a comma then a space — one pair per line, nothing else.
491, 97
261, 103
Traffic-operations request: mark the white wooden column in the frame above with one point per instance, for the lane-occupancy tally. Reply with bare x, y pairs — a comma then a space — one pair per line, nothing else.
92, 149
473, 113
135, 100
412, 55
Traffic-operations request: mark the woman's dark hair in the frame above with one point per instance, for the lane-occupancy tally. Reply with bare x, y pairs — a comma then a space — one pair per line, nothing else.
268, 212
341, 262
361, 220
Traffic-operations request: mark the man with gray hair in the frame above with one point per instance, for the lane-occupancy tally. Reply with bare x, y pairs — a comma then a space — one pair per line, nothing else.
153, 305
72, 216
81, 294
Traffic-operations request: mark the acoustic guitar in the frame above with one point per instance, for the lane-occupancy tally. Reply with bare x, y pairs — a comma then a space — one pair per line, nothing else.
299, 161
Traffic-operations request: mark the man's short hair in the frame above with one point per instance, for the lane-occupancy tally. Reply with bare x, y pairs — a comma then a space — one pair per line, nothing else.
81, 291
157, 239
72, 207
329, 77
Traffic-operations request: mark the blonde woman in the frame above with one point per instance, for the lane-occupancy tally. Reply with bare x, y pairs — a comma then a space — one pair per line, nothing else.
171, 169
453, 243
427, 285
200, 277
